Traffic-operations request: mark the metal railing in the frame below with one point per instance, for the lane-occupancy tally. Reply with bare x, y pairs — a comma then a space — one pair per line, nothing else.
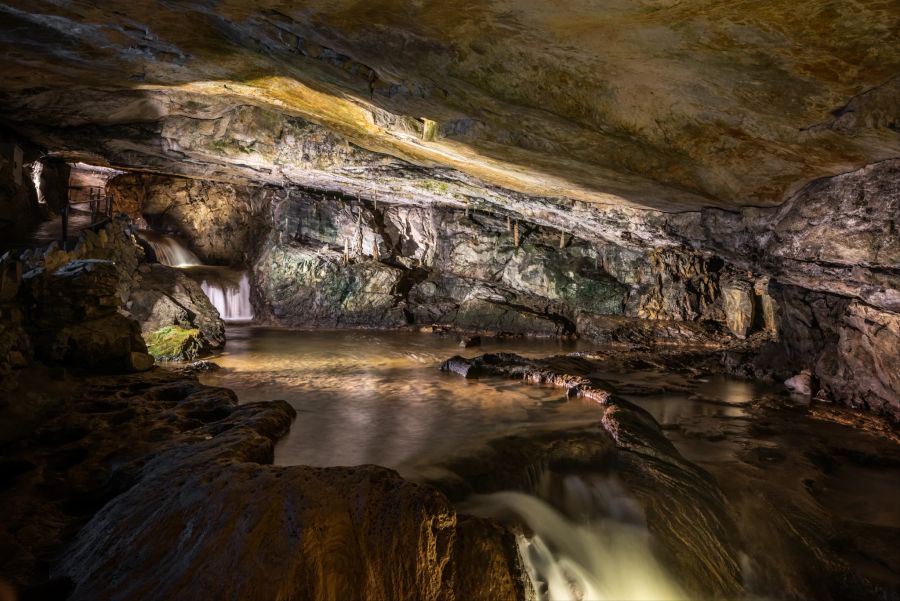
97, 199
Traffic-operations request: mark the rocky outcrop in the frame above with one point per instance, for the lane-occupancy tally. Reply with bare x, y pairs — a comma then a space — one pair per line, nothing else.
76, 320
158, 468
164, 297
223, 221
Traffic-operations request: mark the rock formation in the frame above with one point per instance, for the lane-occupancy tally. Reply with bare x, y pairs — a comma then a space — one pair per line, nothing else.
671, 181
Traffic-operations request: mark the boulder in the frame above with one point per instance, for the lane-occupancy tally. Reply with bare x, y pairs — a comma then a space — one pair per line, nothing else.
173, 343
111, 343
164, 296
800, 384
76, 318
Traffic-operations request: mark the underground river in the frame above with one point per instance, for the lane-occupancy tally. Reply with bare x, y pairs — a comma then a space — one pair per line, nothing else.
379, 397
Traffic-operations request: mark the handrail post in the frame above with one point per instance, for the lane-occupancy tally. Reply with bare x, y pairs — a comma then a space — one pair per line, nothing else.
65, 225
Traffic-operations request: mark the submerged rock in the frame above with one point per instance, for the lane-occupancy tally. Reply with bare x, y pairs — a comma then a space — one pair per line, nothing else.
800, 384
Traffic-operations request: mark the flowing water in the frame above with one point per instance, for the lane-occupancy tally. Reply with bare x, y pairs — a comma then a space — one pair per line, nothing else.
378, 397
169, 250
227, 289
587, 540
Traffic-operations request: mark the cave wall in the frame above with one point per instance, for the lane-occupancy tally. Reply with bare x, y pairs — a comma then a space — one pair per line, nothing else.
222, 222
329, 260
789, 298
18, 198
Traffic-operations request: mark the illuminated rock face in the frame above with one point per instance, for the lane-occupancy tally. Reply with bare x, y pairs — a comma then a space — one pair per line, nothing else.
661, 104
707, 278
675, 141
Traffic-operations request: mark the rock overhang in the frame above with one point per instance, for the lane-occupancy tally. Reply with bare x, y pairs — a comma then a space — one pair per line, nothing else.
664, 105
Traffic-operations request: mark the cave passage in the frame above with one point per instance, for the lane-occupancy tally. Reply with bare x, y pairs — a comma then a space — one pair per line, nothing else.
449, 301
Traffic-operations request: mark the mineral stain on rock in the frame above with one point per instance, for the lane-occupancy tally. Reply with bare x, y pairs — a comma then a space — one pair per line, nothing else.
675, 194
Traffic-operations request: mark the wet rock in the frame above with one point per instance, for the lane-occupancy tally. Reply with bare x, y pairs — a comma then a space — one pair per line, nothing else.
738, 300
334, 533
173, 343
470, 341
200, 367
800, 384
166, 297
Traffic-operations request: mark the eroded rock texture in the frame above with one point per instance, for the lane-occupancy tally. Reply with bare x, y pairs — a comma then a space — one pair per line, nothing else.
656, 103
156, 470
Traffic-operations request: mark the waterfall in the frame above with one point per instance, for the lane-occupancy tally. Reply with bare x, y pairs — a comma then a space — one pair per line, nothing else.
590, 544
232, 301
169, 251
228, 290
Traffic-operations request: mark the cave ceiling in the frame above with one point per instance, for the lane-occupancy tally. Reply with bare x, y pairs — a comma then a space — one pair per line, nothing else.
663, 104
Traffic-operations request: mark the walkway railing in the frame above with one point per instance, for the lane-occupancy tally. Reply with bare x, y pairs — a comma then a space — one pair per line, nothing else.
97, 200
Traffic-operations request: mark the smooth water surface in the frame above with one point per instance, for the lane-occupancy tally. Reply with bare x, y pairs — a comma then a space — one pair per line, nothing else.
379, 397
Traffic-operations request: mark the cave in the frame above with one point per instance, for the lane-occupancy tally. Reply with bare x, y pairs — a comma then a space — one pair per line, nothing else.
460, 301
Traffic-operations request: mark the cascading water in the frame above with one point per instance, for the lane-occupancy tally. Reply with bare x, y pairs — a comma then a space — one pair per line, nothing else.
233, 302
228, 290
591, 544
169, 251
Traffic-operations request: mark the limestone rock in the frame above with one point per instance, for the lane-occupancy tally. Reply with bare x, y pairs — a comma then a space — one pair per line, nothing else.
173, 343
864, 371
167, 297
738, 300
800, 384
300, 286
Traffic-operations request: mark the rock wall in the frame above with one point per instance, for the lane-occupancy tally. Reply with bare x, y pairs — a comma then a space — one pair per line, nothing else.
527, 265
222, 221
832, 253
342, 261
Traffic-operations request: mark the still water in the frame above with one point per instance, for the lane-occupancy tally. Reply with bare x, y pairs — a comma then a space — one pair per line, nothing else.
378, 397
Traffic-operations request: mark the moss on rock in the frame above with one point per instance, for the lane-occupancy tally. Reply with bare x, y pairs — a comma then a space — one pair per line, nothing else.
174, 343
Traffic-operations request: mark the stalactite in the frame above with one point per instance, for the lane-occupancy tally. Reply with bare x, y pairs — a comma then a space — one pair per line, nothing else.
359, 234
562, 240
346, 251
516, 233
467, 207
508, 224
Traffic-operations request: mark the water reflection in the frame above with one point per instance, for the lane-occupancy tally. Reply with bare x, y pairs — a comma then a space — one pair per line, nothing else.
379, 398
